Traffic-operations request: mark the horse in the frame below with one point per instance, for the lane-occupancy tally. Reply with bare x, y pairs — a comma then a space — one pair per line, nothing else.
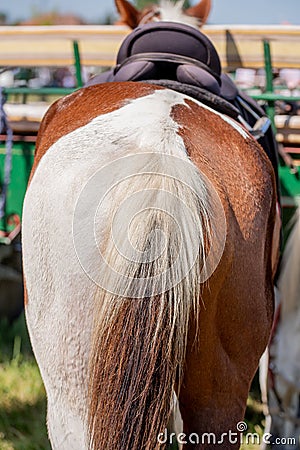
148, 252
282, 383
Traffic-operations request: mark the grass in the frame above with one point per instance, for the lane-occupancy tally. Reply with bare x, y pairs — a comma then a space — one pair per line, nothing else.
23, 402
254, 416
22, 395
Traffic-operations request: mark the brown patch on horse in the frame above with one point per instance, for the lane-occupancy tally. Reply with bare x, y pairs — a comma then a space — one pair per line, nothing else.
241, 287
200, 11
129, 14
236, 155
77, 109
25, 292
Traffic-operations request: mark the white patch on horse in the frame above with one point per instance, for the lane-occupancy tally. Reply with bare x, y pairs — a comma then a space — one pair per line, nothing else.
148, 122
173, 12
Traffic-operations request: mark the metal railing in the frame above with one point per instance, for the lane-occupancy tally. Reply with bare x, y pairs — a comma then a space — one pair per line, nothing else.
269, 95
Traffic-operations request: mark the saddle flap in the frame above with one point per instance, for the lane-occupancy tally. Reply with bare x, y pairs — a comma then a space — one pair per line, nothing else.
136, 71
196, 76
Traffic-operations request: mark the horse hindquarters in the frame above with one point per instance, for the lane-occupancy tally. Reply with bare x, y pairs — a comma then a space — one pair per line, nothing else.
130, 324
138, 343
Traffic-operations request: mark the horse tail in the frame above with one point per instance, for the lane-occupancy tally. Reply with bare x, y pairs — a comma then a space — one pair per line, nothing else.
141, 327
289, 279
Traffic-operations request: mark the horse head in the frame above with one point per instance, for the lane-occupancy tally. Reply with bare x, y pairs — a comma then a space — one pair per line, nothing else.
165, 10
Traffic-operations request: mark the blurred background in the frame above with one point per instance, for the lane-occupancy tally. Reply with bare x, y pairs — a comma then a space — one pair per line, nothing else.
103, 12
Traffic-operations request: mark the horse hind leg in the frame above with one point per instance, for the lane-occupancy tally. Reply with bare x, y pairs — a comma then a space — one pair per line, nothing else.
66, 430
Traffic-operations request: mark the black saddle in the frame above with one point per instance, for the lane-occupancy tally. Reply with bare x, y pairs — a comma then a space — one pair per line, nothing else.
182, 58
167, 50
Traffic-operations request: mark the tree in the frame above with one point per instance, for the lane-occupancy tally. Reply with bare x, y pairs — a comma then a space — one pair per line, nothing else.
3, 18
109, 19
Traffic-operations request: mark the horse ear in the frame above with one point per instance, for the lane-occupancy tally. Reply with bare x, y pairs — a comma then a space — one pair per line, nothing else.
129, 14
200, 11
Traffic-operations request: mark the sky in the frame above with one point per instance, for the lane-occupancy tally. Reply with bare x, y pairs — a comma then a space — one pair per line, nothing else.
223, 11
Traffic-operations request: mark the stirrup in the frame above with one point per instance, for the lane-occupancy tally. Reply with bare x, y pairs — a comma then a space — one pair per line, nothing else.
260, 127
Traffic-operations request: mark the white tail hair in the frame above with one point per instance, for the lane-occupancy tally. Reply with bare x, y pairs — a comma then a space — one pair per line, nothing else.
160, 253
156, 254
